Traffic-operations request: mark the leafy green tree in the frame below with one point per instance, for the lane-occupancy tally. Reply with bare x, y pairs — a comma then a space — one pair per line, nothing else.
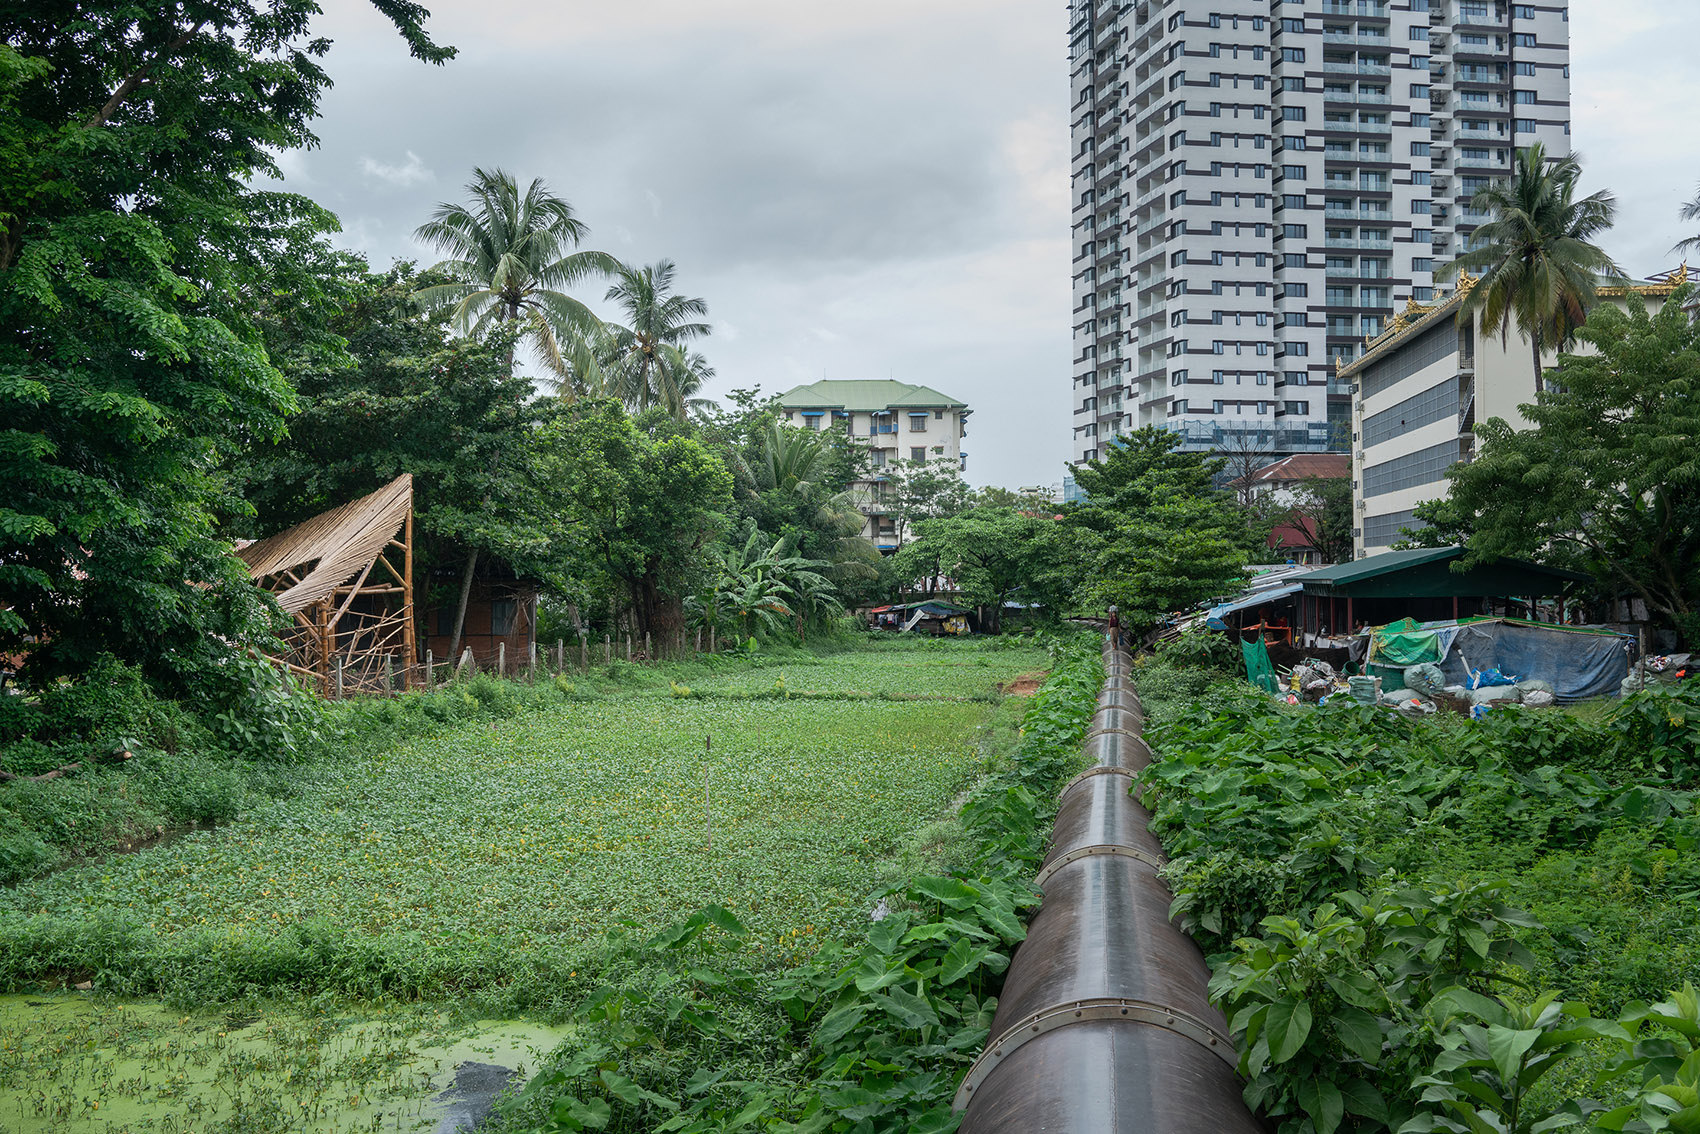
511, 260
647, 360
1322, 506
1609, 477
133, 254
993, 554
757, 581
407, 396
924, 490
1539, 266
1158, 536
646, 509
1446, 526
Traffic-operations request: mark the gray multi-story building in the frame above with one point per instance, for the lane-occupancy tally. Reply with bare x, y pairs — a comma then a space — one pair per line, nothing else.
1259, 185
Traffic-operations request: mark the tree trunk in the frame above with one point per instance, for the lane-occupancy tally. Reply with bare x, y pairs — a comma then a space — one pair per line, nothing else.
460, 607
1535, 345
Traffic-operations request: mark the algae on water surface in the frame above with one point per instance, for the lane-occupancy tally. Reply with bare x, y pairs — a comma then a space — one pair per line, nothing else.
80, 1063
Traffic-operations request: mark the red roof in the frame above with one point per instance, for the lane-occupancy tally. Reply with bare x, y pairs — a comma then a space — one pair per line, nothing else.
1303, 466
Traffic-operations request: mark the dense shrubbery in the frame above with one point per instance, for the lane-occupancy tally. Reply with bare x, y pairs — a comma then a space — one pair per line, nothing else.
1356, 878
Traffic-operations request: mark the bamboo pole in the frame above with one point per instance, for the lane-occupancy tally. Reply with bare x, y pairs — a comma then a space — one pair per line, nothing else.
410, 645
338, 666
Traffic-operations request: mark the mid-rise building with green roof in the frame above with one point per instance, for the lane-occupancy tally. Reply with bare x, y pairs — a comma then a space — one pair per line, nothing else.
900, 422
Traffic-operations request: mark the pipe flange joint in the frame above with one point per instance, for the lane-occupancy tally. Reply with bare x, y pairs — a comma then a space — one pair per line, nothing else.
1088, 1010
1114, 850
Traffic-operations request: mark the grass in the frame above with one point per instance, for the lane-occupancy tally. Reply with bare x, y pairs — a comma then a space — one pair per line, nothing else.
500, 853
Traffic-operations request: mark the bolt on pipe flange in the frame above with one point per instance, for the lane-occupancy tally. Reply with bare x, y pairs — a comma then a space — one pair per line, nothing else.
1092, 1009
1117, 850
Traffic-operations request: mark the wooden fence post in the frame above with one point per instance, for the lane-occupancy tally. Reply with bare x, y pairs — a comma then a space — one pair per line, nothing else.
648, 649
501, 659
560, 655
711, 630
699, 639
607, 648
467, 662
389, 674
430, 671
628, 646
339, 677
584, 648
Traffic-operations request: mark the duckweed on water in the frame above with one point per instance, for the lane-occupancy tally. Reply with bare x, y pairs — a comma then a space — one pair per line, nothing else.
501, 854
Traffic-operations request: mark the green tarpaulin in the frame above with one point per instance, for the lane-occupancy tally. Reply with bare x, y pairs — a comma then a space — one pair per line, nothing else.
1258, 669
1405, 643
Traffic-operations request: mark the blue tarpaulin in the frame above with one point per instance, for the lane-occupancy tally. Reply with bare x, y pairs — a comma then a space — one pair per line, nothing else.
1577, 663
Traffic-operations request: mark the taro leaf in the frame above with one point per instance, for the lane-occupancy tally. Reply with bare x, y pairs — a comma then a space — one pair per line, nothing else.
702, 1079
962, 959
884, 934
940, 1120
723, 918
854, 1103
1003, 919
875, 976
953, 893
838, 1023
592, 1115
913, 1011
630, 1093
1286, 1026
749, 1114
1358, 1032
1321, 1099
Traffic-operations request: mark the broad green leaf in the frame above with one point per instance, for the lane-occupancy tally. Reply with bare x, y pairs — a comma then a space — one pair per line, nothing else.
1321, 1099
956, 894
1364, 1100
723, 918
962, 959
913, 1011
837, 1024
703, 1078
1358, 1032
1507, 1047
1286, 1027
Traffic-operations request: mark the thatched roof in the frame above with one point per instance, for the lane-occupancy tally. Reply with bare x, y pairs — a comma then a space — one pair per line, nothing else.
333, 547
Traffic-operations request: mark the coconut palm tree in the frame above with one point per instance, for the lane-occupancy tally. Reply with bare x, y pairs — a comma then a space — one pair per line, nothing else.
1690, 212
512, 257
1535, 255
647, 361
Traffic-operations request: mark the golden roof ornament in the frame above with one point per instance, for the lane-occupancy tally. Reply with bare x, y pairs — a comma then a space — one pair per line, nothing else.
1680, 276
1466, 281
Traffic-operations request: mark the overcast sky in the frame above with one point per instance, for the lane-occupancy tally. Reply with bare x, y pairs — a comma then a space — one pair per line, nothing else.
867, 190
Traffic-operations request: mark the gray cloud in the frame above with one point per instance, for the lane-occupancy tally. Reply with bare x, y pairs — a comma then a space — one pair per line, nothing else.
868, 190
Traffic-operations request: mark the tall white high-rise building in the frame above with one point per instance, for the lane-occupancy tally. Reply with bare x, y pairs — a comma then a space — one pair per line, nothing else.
1259, 185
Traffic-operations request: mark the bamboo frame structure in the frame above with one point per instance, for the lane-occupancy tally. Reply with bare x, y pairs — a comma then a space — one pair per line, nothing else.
346, 578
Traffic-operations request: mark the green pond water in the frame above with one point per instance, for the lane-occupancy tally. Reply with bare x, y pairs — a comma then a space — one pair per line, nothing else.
76, 1062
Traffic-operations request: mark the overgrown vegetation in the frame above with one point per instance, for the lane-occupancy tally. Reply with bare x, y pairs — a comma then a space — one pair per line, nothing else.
870, 1035
1411, 924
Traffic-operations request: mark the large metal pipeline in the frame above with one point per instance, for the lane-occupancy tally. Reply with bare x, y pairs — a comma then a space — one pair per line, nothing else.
1105, 1025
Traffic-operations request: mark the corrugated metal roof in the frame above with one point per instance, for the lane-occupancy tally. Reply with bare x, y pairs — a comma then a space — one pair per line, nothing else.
1303, 466
333, 547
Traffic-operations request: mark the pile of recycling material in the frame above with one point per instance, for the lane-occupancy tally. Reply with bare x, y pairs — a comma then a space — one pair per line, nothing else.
1493, 661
